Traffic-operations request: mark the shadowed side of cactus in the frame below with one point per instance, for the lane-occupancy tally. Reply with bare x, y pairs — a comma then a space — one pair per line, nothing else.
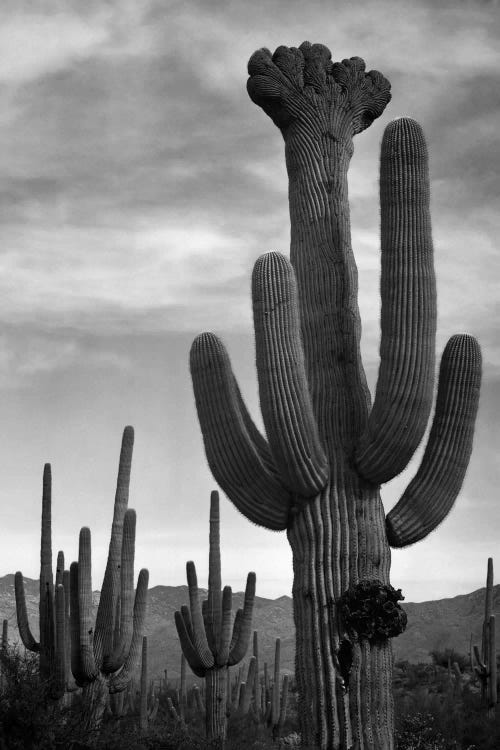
207, 640
105, 656
52, 643
327, 449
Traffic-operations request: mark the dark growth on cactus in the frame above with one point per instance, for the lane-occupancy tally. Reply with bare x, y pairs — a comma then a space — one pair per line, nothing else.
371, 610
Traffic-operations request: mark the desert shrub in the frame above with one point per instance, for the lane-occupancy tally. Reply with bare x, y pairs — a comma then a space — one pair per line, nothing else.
448, 656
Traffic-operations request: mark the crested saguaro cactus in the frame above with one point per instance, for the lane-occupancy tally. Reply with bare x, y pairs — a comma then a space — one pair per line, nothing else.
327, 451
52, 644
205, 631
104, 657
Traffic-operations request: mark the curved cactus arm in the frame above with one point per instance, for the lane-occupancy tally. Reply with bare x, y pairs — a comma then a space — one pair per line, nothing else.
59, 684
121, 679
403, 397
187, 646
86, 628
186, 616
213, 618
125, 610
27, 638
110, 590
200, 641
284, 392
239, 464
243, 630
74, 614
431, 494
222, 654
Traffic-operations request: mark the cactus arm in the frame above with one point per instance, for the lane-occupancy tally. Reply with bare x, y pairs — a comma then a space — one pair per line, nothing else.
89, 667
59, 568
275, 704
46, 603
222, 654
59, 685
284, 704
27, 638
104, 627
430, 495
187, 646
186, 616
199, 636
67, 627
492, 676
284, 393
143, 704
403, 397
257, 688
214, 603
74, 613
124, 617
246, 688
238, 463
121, 679
242, 633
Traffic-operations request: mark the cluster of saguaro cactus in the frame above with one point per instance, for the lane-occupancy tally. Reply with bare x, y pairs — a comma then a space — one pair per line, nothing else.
104, 656
206, 637
327, 451
266, 702
53, 643
486, 658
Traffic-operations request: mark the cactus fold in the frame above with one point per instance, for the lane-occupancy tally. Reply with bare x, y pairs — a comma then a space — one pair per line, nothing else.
105, 656
205, 635
327, 449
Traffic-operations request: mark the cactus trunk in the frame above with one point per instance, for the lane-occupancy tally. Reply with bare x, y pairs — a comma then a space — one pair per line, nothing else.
215, 702
338, 709
94, 700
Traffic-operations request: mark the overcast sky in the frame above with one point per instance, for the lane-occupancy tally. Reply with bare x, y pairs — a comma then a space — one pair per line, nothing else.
139, 184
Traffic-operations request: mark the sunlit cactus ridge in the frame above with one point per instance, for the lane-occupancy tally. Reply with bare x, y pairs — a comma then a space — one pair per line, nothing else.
326, 449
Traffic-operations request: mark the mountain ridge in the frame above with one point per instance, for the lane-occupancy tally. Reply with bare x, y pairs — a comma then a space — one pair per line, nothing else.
433, 624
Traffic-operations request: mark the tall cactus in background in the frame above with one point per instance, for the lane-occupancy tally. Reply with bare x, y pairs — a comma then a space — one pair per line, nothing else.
486, 658
327, 451
205, 631
53, 633
104, 657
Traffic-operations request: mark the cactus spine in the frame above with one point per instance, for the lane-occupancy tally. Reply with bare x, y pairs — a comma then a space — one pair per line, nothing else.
52, 644
104, 657
327, 451
205, 631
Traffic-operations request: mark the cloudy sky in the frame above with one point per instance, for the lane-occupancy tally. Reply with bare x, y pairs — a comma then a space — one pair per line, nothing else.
139, 184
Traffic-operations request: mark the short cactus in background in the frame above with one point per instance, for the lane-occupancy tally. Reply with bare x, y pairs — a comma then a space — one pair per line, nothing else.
105, 656
53, 643
318, 472
205, 631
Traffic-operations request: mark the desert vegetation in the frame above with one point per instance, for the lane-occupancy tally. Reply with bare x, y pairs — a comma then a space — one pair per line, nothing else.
316, 474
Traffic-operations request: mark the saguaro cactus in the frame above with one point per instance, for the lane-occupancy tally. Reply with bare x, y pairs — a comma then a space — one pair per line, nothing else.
327, 451
104, 657
53, 636
486, 658
205, 631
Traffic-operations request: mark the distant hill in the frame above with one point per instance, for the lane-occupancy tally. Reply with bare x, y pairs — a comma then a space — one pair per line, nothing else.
439, 624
